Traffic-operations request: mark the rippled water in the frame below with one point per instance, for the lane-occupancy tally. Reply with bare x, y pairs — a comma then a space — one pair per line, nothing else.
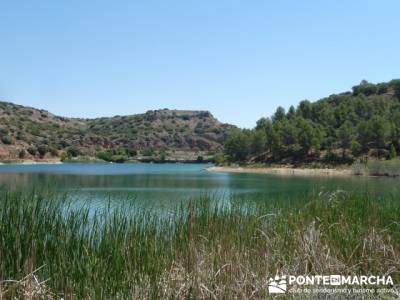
163, 186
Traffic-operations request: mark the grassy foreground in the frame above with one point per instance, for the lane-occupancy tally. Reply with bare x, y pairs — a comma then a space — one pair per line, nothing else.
203, 251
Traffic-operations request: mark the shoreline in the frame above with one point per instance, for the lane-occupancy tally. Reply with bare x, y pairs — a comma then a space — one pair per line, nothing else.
31, 162
59, 162
284, 171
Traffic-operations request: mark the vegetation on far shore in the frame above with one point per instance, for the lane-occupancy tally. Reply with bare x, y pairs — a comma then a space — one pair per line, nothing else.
204, 249
337, 130
123, 155
341, 129
371, 167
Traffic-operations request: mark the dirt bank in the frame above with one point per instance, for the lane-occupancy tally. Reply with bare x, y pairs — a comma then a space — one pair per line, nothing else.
284, 171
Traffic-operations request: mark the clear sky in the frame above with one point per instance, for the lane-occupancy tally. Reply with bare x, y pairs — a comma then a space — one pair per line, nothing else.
237, 59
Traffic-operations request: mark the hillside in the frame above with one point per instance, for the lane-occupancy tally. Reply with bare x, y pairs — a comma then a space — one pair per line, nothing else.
29, 133
338, 129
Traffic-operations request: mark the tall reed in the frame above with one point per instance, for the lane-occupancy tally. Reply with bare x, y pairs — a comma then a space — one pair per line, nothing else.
389, 168
204, 249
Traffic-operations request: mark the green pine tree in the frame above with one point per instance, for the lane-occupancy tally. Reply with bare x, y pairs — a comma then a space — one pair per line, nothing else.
393, 153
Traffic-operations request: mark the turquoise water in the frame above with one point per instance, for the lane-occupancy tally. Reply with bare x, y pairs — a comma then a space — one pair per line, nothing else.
166, 185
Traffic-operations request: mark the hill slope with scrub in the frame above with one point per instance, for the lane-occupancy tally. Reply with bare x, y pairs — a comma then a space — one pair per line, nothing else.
29, 133
338, 129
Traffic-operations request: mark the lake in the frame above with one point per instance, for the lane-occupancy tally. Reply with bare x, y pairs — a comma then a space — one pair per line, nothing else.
163, 186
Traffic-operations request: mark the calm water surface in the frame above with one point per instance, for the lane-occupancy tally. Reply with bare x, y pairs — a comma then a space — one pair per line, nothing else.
165, 185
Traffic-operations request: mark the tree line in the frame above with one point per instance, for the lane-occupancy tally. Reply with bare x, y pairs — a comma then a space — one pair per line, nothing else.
335, 130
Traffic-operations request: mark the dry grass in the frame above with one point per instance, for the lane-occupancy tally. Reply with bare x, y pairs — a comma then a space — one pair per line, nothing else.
206, 251
29, 287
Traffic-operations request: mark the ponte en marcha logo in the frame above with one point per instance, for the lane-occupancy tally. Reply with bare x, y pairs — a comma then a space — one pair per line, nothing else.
295, 284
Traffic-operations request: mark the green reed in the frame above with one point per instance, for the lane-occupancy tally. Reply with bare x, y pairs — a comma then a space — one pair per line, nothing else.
204, 249
390, 168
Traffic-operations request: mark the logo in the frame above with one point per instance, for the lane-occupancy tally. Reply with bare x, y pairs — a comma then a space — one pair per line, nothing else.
336, 283
277, 285
335, 280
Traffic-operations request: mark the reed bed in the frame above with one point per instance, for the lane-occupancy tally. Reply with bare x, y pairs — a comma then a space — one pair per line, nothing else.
390, 168
205, 249
384, 167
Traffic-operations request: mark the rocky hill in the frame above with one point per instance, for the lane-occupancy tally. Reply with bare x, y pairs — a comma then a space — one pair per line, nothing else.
29, 133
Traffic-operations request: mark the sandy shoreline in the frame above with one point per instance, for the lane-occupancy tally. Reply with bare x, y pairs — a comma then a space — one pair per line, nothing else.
32, 162
284, 171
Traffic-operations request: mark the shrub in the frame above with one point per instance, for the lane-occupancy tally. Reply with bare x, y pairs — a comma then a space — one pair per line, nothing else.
379, 153
3, 131
112, 156
219, 159
163, 157
7, 140
148, 152
104, 155
34, 130
356, 148
131, 152
365, 88
335, 159
199, 129
32, 150
63, 144
381, 88
53, 151
119, 159
73, 152
64, 156
21, 136
396, 86
42, 150
22, 154
393, 152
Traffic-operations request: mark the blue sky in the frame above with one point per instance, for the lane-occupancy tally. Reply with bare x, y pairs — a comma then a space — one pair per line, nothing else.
237, 59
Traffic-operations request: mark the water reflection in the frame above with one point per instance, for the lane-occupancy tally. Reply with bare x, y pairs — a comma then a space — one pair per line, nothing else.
164, 186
